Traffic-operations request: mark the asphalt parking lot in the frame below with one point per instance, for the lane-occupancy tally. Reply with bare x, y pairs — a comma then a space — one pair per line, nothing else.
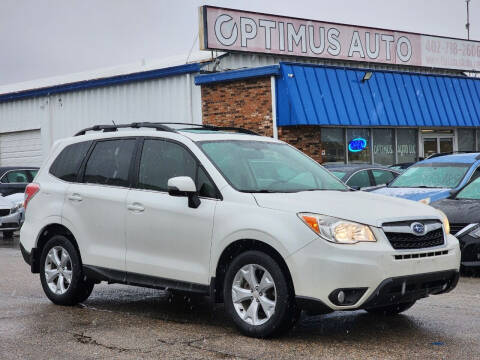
121, 322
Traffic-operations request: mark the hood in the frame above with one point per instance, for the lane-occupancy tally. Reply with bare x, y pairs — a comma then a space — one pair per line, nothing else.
461, 211
6, 202
366, 208
414, 194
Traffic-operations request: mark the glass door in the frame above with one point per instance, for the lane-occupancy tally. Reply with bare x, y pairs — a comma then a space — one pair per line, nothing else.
446, 145
430, 146
437, 144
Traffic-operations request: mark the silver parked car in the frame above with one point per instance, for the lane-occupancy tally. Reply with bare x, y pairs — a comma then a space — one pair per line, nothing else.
11, 214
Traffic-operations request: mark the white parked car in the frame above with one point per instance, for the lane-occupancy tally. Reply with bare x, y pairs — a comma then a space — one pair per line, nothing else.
11, 214
246, 219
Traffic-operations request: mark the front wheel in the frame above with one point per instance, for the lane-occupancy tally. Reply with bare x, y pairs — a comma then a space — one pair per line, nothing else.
258, 295
391, 309
61, 272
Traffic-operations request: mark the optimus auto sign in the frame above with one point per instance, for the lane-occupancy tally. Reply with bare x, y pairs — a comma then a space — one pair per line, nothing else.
235, 30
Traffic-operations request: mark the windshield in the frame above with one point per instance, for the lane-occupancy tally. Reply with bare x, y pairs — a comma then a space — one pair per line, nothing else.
258, 166
432, 175
471, 191
338, 174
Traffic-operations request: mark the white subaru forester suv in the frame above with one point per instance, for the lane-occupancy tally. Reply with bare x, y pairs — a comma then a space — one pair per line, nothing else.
246, 219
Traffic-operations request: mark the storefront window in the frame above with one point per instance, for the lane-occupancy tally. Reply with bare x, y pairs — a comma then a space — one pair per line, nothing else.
466, 139
406, 145
358, 144
383, 146
333, 145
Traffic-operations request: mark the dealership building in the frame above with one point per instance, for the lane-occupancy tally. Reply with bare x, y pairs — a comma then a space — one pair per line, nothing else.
340, 93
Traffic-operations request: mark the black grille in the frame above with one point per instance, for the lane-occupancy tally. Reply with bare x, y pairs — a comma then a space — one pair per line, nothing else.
410, 241
4, 212
455, 228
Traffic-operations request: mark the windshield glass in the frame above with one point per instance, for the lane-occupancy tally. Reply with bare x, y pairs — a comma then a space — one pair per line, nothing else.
258, 166
433, 175
338, 174
471, 191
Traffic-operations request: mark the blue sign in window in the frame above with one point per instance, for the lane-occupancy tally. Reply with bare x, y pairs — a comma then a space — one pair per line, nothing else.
357, 144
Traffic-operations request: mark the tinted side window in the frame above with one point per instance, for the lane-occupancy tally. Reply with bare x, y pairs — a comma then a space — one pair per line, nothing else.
109, 163
382, 177
67, 164
15, 176
162, 160
360, 179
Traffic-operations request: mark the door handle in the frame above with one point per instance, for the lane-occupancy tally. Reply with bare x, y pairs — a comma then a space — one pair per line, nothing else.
75, 197
135, 207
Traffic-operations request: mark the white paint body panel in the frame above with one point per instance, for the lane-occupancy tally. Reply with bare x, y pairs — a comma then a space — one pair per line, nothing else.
167, 239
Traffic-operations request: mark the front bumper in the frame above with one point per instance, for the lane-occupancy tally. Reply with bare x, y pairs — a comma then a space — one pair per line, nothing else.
321, 268
11, 222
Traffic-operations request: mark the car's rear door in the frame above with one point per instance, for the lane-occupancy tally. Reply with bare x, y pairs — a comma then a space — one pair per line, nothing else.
95, 208
165, 237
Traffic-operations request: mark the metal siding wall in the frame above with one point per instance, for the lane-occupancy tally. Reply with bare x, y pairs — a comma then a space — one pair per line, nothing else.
23, 114
61, 115
160, 100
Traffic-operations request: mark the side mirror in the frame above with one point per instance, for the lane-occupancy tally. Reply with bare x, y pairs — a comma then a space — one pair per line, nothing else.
184, 186
355, 187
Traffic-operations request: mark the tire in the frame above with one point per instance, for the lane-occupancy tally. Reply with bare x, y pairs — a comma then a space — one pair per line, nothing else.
391, 309
269, 322
64, 292
8, 235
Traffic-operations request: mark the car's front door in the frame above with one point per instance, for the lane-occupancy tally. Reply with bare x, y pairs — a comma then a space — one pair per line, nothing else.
165, 237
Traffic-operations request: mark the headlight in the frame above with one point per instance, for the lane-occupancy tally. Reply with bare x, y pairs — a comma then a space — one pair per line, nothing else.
446, 223
425, 201
17, 207
337, 230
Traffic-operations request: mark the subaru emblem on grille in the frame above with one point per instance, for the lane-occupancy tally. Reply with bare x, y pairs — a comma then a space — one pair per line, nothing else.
418, 228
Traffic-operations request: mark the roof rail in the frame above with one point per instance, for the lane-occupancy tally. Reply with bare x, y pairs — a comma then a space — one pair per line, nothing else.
113, 128
165, 127
191, 126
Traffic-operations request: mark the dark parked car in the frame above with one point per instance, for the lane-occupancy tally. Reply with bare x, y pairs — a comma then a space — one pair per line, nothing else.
463, 212
363, 176
14, 179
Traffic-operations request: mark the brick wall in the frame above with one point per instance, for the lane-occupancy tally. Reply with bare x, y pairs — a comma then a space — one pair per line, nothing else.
248, 104
305, 138
245, 103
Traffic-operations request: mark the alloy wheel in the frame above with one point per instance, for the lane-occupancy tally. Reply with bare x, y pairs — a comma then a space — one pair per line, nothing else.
58, 270
254, 294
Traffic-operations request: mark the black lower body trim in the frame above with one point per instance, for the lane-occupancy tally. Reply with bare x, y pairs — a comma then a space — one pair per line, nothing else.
122, 277
312, 306
31, 258
405, 289
26, 255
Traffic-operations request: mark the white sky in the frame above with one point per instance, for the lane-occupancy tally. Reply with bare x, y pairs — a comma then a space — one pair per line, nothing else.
42, 38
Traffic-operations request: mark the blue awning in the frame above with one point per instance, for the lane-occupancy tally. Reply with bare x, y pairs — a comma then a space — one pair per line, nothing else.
328, 96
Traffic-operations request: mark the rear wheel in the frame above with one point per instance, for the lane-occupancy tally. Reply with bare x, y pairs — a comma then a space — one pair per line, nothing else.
61, 272
258, 295
391, 309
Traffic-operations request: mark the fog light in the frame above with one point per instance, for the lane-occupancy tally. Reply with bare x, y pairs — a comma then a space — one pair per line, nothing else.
346, 297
